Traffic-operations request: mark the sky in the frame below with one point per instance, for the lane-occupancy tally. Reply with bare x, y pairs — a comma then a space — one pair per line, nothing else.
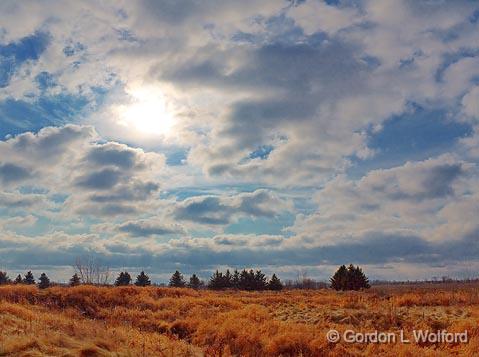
287, 136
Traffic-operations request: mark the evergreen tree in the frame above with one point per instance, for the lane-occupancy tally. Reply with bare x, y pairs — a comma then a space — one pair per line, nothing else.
247, 280
18, 279
235, 280
177, 280
259, 280
142, 279
227, 280
275, 283
44, 282
123, 279
351, 278
357, 279
4, 279
195, 282
216, 281
75, 280
340, 278
29, 279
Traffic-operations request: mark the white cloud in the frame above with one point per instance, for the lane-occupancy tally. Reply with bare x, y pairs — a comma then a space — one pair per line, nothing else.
413, 199
470, 103
317, 16
222, 210
98, 178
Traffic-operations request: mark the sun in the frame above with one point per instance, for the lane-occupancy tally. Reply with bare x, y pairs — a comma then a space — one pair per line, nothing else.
147, 112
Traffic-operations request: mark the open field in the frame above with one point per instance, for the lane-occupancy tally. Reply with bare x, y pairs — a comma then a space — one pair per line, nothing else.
132, 321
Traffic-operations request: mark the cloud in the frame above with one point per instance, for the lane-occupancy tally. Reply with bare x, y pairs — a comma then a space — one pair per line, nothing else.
113, 154
214, 210
145, 228
101, 180
309, 81
470, 103
18, 222
16, 200
98, 178
414, 199
203, 255
417, 181
13, 173
318, 16
50, 143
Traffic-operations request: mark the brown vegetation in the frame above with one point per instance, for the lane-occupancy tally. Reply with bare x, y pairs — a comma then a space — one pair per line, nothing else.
151, 321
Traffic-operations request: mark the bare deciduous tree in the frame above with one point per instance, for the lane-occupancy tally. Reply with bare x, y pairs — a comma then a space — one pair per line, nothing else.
91, 271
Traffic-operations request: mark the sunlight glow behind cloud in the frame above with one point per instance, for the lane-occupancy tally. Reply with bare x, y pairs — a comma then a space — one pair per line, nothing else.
147, 113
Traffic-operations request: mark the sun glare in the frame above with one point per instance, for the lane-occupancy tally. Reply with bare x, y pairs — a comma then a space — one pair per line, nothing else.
147, 113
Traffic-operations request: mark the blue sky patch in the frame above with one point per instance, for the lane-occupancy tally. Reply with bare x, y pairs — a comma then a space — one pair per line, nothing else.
411, 136
14, 54
17, 116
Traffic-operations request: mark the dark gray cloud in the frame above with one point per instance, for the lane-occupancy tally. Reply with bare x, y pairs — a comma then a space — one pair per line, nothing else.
12, 173
301, 76
250, 120
52, 142
100, 180
172, 12
259, 204
106, 209
111, 154
205, 210
17, 200
218, 210
438, 184
137, 191
147, 228
297, 68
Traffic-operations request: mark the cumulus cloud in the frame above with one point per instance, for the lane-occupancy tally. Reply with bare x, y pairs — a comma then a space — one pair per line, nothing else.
15, 200
20, 221
470, 103
10, 173
96, 177
414, 199
214, 210
153, 226
300, 77
143, 228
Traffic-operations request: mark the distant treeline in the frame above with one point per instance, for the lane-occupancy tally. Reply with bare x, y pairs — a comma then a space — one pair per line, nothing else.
442, 280
244, 280
350, 278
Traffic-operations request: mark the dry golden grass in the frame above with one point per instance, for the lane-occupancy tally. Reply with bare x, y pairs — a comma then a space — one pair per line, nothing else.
132, 321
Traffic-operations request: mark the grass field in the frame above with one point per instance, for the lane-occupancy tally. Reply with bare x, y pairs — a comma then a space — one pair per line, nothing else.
132, 321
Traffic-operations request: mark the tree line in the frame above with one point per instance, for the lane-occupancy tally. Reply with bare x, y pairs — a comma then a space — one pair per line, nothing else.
345, 278
244, 280
27, 279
